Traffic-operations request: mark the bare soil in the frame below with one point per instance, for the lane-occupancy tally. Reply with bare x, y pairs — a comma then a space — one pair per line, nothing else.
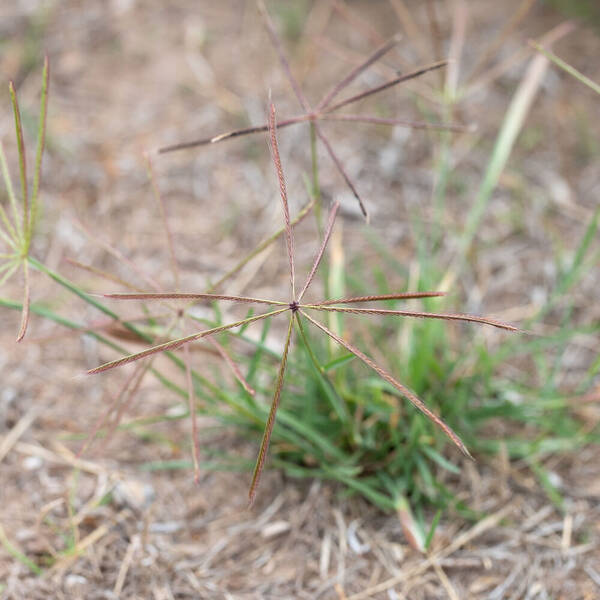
129, 77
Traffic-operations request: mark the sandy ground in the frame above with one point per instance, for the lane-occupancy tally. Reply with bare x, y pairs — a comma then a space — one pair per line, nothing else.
129, 77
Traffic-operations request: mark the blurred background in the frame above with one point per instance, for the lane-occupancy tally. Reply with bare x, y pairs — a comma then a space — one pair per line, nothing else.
502, 215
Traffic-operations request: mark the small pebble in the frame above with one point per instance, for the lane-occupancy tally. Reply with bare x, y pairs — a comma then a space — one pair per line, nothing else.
134, 494
73, 580
31, 463
274, 529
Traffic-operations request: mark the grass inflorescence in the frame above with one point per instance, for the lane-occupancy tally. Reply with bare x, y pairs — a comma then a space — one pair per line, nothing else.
299, 311
16, 230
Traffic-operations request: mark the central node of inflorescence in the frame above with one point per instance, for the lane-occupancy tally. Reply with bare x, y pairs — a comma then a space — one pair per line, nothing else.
294, 306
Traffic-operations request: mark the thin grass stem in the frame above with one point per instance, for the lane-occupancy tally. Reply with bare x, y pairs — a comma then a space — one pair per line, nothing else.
282, 57
17, 554
192, 410
10, 268
85, 330
566, 67
435, 35
109, 277
356, 21
72, 287
123, 405
304, 102
410, 27
232, 365
104, 274
496, 44
164, 220
340, 168
5, 237
75, 289
262, 246
126, 404
514, 120
119, 256
113, 329
460, 14
101, 423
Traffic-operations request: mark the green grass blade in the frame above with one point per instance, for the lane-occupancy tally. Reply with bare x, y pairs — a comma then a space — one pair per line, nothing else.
13, 231
334, 364
551, 491
72, 287
408, 394
233, 367
337, 404
509, 131
590, 374
258, 353
10, 268
17, 554
309, 351
566, 67
46, 313
571, 276
312, 434
412, 529
431, 532
3, 235
384, 502
436, 457
335, 276
75, 289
